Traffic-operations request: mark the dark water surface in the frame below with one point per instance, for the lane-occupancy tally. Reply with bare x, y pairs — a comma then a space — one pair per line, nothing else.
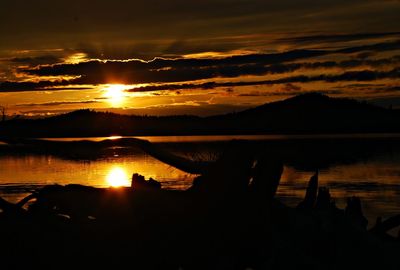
367, 166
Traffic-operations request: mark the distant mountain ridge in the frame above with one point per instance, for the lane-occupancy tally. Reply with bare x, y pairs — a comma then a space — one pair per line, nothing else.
317, 113
303, 114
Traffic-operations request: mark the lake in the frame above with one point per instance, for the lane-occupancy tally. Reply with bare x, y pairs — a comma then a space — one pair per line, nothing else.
363, 165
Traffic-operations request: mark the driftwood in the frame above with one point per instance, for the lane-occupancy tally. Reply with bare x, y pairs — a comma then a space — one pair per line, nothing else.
311, 193
228, 219
382, 227
181, 163
10, 208
266, 177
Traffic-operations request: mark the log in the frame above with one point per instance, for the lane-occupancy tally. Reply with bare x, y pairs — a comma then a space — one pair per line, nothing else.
311, 193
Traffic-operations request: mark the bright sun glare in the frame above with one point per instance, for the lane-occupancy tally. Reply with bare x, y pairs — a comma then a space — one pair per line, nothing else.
115, 94
117, 177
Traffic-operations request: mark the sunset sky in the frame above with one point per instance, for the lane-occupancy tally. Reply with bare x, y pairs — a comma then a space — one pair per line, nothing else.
194, 57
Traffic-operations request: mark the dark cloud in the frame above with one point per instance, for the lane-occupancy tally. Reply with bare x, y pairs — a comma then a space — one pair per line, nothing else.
291, 87
181, 69
35, 61
336, 37
378, 47
254, 94
57, 103
384, 89
365, 55
287, 93
393, 88
147, 71
32, 86
365, 75
361, 85
66, 88
27, 24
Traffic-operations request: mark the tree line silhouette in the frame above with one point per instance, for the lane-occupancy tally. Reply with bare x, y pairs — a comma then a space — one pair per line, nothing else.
304, 114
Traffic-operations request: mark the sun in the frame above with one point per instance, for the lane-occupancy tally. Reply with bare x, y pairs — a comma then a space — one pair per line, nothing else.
115, 94
117, 177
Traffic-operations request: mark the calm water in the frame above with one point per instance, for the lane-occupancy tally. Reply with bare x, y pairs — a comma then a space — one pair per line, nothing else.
367, 166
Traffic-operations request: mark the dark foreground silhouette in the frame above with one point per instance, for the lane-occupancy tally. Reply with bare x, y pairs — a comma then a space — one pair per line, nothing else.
228, 219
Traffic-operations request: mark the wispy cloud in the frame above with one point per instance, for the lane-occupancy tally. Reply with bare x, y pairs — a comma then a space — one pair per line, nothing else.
364, 75
313, 39
57, 103
181, 70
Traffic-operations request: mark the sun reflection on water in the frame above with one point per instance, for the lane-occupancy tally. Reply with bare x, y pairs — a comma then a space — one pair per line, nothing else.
117, 177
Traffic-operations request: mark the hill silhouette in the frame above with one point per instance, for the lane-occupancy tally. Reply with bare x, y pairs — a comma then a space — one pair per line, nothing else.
317, 113
304, 114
